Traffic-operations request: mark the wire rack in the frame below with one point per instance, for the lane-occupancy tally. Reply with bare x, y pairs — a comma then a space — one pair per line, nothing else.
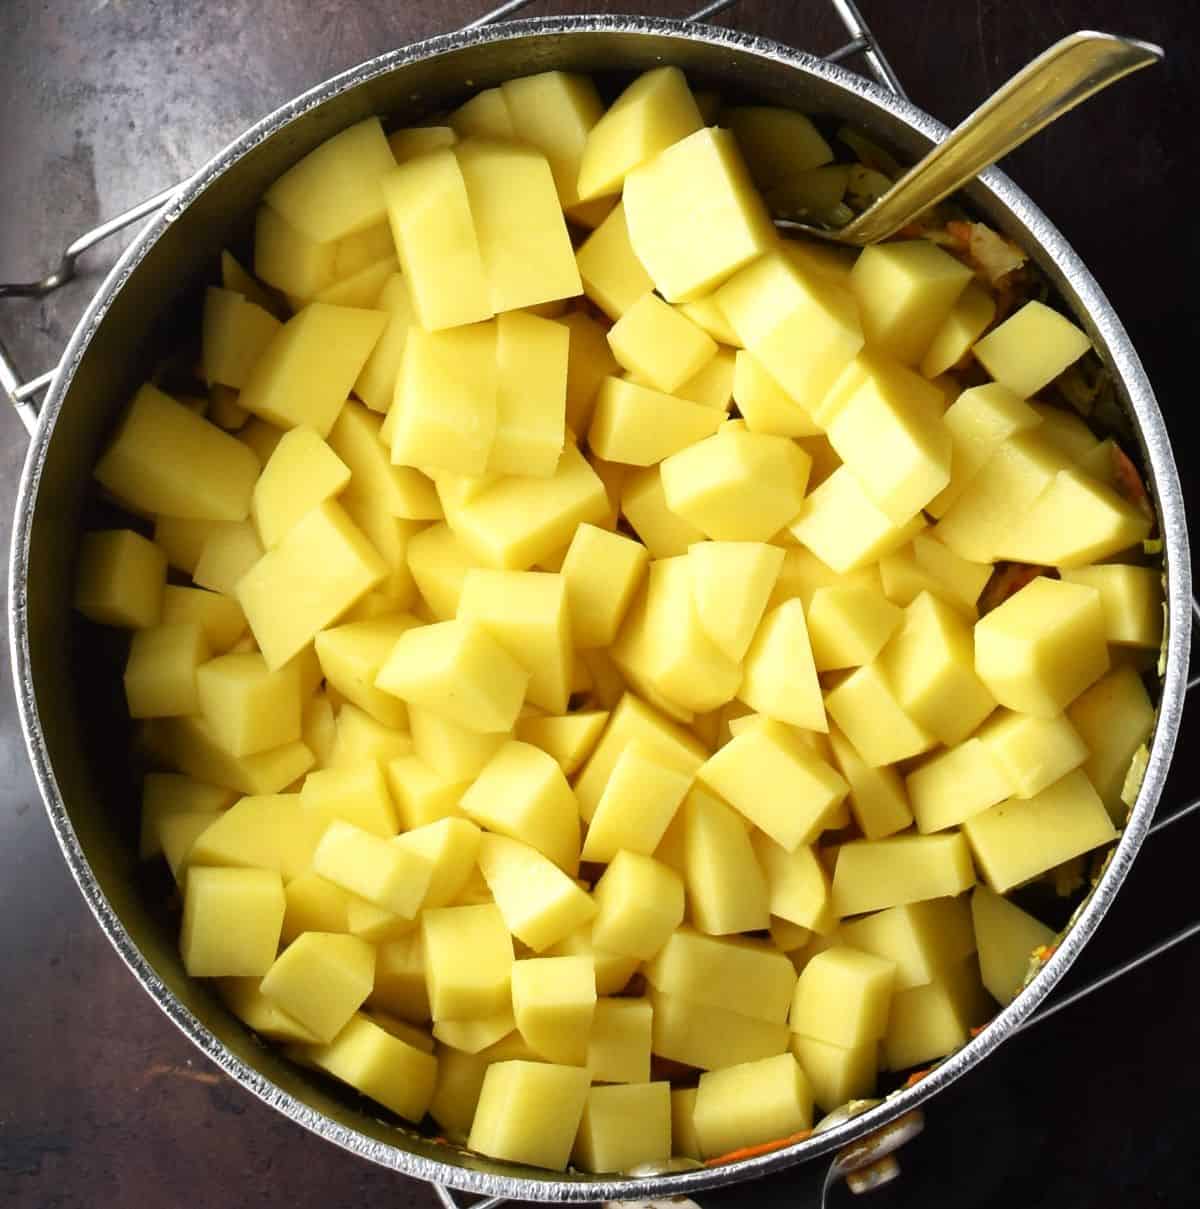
861, 46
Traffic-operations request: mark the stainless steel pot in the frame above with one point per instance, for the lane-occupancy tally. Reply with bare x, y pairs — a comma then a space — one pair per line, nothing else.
66, 717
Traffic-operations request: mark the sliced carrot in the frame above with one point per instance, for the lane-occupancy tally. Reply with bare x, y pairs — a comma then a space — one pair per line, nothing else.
916, 1077
749, 1152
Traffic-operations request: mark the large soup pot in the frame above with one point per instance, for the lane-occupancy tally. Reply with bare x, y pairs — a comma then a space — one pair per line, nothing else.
150, 295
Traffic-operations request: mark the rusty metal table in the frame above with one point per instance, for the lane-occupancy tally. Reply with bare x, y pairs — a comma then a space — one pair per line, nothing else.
101, 1103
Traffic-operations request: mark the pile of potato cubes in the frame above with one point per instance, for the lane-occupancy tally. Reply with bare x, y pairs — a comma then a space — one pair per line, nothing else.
537, 748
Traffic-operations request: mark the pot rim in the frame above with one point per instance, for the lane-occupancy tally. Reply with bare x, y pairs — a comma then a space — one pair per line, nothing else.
1124, 363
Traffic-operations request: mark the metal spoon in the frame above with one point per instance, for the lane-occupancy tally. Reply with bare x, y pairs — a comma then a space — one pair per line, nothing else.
1069, 72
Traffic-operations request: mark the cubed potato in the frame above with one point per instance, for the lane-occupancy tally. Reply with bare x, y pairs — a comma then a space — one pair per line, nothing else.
848, 625
421, 794
803, 573
872, 875
644, 506
193, 749
837, 1074
457, 669
1006, 937
519, 521
589, 362
726, 888
351, 657
220, 619
260, 438
712, 385
231, 922
1031, 348
1067, 431
623, 1127
684, 1141
618, 1048
486, 114
955, 784
322, 979
1075, 521
228, 552
451, 750
529, 1112
640, 903
866, 710
1042, 647
797, 884
958, 581
842, 997
400, 978
637, 805
526, 613
844, 528
160, 672
361, 289
922, 939
314, 904
301, 473
451, 846
233, 333
468, 959
521, 792
363, 249
731, 584
969, 317
689, 252
705, 313
168, 793
247, 707
659, 344
234, 277
244, 999
286, 258
639, 426
474, 1036
654, 112
613, 970
391, 876
176, 835
750, 1103
764, 404
707, 1037
777, 143
568, 738
906, 290
1131, 598
354, 794
554, 1001
743, 976
930, 1021
376, 381
1018, 839
777, 782
540, 904
613, 277
121, 578
417, 140
434, 231
878, 801
439, 565
359, 738
737, 485
1032, 753
602, 572
383, 1066
165, 459
929, 663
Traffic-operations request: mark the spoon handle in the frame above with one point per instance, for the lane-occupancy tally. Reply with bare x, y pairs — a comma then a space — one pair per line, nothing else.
1069, 72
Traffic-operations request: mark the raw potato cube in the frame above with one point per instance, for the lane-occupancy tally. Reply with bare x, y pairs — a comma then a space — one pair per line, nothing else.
554, 1000
1006, 937
376, 382
684, 1141
220, 619
968, 319
321, 980
243, 998
618, 1049
1032, 752
849, 624
602, 572
644, 505
363, 287
654, 112
743, 976
713, 385
731, 584
233, 334
1066, 431
777, 143
229, 551
121, 577
874, 874
421, 794
1042, 647
843, 527
451, 750
194, 750
231, 922
364, 250
957, 580
797, 884
396, 490
554, 111
289, 260
160, 673
434, 231
957, 783
613, 277
637, 805
639, 426
750, 1103
878, 800
1031, 348
357, 795
468, 957
247, 707
457, 669
569, 739
689, 251
929, 663
623, 1127
381, 1065
640, 903
705, 313
451, 845
1131, 598
474, 1036
531, 392
439, 565
726, 889
391, 876
835, 1073
540, 904
176, 836
777, 782
234, 277
700, 1035
417, 140
589, 362
803, 328
842, 997
167, 793
906, 290
301, 473
522, 793
358, 737
166, 459
613, 970
314, 905
351, 657
529, 1112
928, 1022
333, 191
260, 437
764, 404
400, 978
1018, 839
865, 708
737, 485
659, 344
526, 613
922, 939
485, 114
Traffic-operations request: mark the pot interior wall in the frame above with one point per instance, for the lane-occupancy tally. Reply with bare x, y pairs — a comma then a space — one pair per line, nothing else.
76, 673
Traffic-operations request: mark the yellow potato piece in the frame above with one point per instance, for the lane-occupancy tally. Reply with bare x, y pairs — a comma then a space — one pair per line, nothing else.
468, 959
160, 672
412, 141
220, 619
531, 392
485, 114
233, 334
640, 903
837, 1074
352, 656
602, 572
289, 260
777, 143
955, 784
1032, 752
120, 579
168, 793
644, 505
968, 319
660, 344
1030, 348
726, 889
623, 1127
612, 276
354, 794
922, 939
750, 1103
842, 997
618, 1048
400, 978
231, 922
700, 1035
731, 584
797, 884
194, 750
764, 404
779, 676
875, 874
321, 979
1007, 937
640, 426
302, 472
554, 1001
589, 362
878, 801
931, 1021
849, 624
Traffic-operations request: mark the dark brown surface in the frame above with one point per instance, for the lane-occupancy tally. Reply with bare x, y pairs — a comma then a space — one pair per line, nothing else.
101, 1102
